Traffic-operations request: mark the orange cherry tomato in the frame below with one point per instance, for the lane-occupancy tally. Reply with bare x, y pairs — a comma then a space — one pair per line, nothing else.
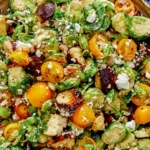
142, 115
52, 71
20, 57
10, 131
142, 99
125, 6
83, 116
22, 111
127, 48
38, 93
95, 45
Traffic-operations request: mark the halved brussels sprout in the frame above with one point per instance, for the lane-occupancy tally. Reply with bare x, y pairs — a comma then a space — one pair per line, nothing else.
139, 27
95, 98
18, 80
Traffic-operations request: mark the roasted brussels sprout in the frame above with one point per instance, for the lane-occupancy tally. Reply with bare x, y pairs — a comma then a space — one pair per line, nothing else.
95, 98
18, 80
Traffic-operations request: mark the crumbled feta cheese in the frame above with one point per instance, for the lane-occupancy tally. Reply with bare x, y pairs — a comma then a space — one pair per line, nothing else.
68, 27
4, 103
91, 17
117, 148
118, 61
55, 125
131, 64
38, 53
20, 45
77, 27
147, 75
131, 124
122, 81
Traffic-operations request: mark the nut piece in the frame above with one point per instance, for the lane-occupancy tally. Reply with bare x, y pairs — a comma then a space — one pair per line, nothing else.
4, 5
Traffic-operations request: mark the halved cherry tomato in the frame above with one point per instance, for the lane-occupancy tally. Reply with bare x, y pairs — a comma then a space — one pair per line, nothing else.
95, 45
38, 93
52, 71
10, 131
22, 111
142, 99
20, 57
142, 115
83, 116
125, 6
127, 48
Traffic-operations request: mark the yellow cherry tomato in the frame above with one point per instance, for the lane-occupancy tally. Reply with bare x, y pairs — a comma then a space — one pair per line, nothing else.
83, 116
142, 99
142, 115
125, 6
127, 49
95, 45
52, 71
38, 93
20, 57
11, 130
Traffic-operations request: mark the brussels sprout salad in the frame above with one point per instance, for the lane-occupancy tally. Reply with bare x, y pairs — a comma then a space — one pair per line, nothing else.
74, 75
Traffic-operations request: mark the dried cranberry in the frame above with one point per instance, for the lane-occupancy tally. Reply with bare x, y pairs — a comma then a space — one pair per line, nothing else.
45, 11
108, 78
34, 66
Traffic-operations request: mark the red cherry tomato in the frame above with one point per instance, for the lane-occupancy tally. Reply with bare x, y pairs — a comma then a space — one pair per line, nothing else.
22, 111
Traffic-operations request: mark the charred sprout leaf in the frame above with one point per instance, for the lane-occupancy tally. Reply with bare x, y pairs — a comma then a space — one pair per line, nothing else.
4, 144
83, 41
89, 146
115, 128
30, 4
135, 24
100, 14
58, 14
59, 57
59, 1
70, 37
15, 7
75, 10
91, 68
33, 126
18, 80
95, 96
46, 106
128, 97
49, 47
67, 84
2, 40
119, 23
5, 112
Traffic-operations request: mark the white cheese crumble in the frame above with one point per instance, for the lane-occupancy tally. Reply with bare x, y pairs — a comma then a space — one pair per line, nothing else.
38, 53
91, 17
77, 27
20, 45
131, 64
117, 148
131, 124
147, 75
122, 81
55, 125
